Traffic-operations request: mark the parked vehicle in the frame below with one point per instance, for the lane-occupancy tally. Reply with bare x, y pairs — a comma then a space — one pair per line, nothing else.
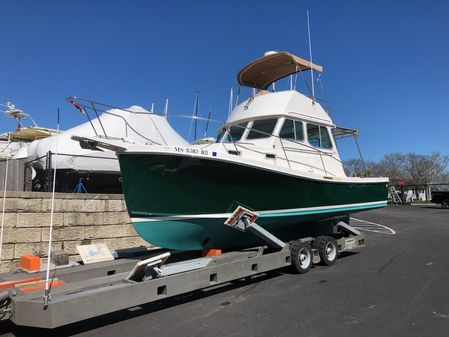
441, 197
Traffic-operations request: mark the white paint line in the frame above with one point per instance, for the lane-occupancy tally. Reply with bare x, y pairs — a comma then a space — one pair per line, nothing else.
369, 226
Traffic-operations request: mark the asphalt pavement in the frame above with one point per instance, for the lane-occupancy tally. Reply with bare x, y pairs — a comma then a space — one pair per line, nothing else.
398, 285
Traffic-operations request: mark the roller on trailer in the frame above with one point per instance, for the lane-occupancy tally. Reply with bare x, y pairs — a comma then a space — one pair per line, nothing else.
89, 291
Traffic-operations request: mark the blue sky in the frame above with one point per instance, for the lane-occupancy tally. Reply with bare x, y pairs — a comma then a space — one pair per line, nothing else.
386, 70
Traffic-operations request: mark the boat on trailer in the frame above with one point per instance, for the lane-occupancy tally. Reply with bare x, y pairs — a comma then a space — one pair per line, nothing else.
276, 156
275, 163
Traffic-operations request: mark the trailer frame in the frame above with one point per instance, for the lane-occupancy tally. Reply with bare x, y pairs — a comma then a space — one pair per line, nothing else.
95, 290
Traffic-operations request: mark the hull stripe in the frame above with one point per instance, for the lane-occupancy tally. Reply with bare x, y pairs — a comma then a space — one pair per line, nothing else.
269, 214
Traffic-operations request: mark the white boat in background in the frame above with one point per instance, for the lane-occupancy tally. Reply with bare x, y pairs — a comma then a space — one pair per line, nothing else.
134, 125
46, 149
14, 144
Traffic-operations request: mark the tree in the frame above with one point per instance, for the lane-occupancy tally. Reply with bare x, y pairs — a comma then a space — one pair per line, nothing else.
392, 165
423, 170
416, 169
356, 168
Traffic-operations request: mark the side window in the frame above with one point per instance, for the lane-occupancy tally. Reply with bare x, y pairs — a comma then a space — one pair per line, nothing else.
292, 130
235, 133
325, 138
319, 136
262, 128
313, 134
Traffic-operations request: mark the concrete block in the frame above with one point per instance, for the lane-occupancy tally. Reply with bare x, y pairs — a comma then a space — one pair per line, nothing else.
15, 265
38, 219
95, 206
18, 235
10, 219
83, 219
114, 206
7, 266
73, 205
121, 242
60, 257
142, 242
70, 246
116, 218
7, 252
22, 205
111, 231
46, 205
64, 233
36, 248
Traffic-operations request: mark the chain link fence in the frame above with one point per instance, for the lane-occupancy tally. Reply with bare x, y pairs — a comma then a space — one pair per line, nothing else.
74, 173
412, 193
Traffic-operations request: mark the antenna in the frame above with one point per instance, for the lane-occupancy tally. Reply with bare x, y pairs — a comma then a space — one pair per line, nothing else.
310, 53
152, 108
207, 122
16, 114
196, 115
166, 108
231, 99
238, 97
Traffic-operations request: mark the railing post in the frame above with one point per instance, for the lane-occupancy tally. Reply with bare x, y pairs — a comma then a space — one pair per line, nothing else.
285, 153
322, 162
49, 176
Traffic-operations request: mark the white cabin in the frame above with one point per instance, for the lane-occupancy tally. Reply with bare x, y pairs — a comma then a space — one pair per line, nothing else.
285, 127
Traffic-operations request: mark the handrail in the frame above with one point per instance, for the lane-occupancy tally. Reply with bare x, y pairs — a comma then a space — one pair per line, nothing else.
224, 126
315, 150
85, 108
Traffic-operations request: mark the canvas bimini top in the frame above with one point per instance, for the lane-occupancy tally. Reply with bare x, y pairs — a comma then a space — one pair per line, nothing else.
261, 73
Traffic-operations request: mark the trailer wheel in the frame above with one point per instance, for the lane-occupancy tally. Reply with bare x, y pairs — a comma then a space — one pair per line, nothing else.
327, 248
445, 203
302, 256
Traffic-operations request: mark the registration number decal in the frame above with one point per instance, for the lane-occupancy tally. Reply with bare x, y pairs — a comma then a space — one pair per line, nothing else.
190, 150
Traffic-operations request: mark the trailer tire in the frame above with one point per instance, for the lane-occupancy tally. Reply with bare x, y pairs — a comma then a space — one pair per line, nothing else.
301, 257
445, 203
327, 248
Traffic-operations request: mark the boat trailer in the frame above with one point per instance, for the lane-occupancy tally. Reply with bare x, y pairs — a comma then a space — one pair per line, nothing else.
89, 291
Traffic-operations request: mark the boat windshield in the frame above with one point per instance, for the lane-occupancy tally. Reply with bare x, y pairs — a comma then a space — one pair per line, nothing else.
235, 133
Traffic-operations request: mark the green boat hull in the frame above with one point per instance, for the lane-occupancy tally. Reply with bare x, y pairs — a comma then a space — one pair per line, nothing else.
181, 202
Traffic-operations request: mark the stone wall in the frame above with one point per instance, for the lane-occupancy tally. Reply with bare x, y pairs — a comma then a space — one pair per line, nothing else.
78, 218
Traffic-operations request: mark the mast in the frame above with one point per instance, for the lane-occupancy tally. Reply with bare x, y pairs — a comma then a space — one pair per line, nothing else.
310, 53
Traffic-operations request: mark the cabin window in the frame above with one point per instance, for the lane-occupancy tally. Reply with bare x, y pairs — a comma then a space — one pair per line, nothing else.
326, 142
292, 130
235, 133
262, 128
318, 136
